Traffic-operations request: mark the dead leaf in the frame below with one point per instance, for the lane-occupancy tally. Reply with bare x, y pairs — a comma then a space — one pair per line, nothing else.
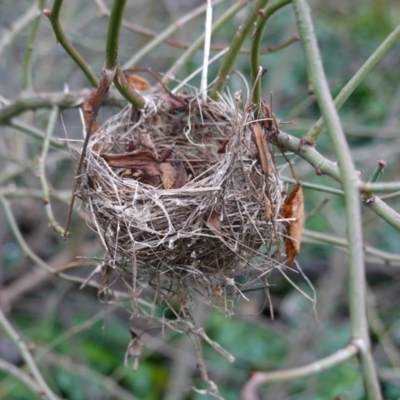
267, 208
214, 222
168, 175
262, 149
173, 176
135, 160
137, 82
293, 208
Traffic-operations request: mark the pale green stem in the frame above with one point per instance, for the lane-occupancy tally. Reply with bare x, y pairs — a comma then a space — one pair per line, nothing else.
255, 48
27, 61
54, 16
313, 186
234, 48
53, 224
11, 191
319, 237
391, 195
114, 29
387, 213
36, 133
33, 101
368, 190
349, 181
323, 166
313, 134
379, 187
24, 246
260, 378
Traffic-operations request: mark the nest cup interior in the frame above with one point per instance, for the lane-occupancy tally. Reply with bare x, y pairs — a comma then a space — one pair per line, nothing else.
179, 197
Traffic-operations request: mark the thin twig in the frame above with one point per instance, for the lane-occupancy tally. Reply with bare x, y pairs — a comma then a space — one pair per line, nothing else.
20, 374
319, 237
249, 391
34, 100
110, 386
181, 44
27, 356
17, 26
52, 222
53, 16
315, 187
323, 166
382, 333
95, 102
379, 207
379, 187
24, 246
36, 133
313, 134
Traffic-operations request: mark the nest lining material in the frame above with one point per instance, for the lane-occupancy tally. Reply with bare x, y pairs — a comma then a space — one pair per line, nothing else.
179, 197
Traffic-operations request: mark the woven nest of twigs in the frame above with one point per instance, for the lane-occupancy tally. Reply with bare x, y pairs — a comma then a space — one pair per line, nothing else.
184, 196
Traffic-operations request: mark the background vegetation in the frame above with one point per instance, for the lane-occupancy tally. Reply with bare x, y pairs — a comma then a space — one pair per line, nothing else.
79, 342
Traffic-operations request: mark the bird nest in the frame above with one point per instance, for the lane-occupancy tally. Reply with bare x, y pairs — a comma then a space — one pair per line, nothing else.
184, 196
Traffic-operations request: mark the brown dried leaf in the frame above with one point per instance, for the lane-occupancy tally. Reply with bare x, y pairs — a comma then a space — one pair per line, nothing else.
262, 149
293, 207
135, 160
168, 175
173, 177
137, 82
214, 222
267, 208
